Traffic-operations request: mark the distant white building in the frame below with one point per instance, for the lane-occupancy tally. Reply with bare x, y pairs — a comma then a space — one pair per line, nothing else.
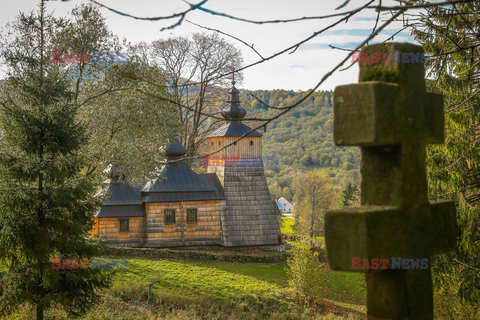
285, 206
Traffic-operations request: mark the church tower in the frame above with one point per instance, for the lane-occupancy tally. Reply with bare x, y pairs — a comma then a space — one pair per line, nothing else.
250, 215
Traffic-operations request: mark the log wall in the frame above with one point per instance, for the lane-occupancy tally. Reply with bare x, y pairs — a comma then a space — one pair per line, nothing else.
205, 231
109, 229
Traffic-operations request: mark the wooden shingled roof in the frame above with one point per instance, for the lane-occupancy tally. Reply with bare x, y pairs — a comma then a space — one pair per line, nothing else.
234, 129
123, 200
180, 183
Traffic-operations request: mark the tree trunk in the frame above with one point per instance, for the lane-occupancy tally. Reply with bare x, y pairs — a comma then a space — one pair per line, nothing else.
312, 226
39, 312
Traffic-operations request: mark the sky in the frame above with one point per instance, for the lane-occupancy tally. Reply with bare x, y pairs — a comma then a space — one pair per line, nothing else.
300, 70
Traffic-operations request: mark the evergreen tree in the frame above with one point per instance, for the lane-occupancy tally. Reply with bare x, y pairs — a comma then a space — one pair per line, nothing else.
450, 36
350, 195
46, 199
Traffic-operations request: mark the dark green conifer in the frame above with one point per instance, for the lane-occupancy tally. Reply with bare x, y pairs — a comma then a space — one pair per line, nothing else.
46, 199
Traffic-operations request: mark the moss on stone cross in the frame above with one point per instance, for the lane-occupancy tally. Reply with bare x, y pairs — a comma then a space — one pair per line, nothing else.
381, 75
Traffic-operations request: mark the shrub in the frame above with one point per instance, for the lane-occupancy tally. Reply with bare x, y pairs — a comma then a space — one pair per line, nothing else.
305, 275
450, 306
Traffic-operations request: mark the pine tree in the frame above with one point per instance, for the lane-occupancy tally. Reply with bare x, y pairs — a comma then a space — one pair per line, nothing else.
350, 195
46, 199
449, 35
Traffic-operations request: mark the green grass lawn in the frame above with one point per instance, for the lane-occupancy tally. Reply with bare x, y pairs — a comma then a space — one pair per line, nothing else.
167, 289
256, 286
286, 227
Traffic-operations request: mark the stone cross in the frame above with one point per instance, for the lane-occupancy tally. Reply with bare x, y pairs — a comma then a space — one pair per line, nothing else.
392, 123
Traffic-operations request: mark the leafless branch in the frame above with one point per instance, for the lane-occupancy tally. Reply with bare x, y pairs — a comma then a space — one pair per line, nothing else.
286, 109
228, 35
180, 15
199, 6
399, 10
422, 5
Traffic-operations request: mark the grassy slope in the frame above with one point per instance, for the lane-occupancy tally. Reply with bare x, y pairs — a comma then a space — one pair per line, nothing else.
256, 286
213, 290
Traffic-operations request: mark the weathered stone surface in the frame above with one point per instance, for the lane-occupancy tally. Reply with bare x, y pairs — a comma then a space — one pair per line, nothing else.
367, 237
364, 121
392, 123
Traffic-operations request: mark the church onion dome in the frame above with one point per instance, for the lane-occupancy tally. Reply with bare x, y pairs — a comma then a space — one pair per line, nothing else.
234, 114
175, 151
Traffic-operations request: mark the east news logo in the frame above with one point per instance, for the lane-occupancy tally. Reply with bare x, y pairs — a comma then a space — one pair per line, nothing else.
397, 263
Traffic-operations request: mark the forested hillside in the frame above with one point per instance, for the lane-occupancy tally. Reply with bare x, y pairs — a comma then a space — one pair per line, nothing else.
301, 140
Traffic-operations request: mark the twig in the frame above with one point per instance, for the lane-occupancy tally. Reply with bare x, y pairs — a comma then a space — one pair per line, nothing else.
466, 265
228, 35
420, 5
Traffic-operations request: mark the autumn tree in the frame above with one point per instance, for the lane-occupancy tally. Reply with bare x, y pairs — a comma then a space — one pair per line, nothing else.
195, 68
314, 195
58, 131
126, 123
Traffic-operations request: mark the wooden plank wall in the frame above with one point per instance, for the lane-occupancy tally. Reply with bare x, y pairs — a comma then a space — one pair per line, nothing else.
205, 231
109, 229
242, 149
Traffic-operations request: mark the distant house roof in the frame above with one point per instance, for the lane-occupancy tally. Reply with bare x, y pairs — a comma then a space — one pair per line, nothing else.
280, 205
234, 129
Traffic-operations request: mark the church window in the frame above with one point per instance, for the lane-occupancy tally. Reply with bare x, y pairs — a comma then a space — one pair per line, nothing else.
124, 225
235, 143
169, 216
251, 142
219, 143
191, 214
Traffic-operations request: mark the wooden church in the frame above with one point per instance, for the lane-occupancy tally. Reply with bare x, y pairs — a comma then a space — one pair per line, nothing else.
229, 206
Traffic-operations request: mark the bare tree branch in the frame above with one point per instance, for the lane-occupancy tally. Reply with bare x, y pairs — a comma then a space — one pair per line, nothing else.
228, 35
180, 15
